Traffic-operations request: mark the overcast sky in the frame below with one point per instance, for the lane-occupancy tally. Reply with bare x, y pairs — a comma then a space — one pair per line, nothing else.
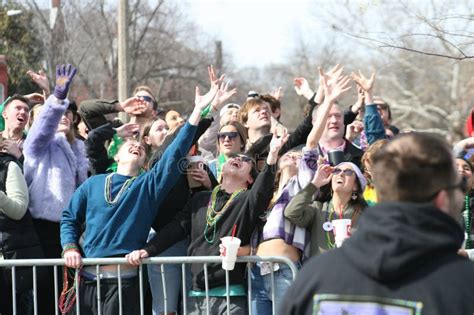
256, 32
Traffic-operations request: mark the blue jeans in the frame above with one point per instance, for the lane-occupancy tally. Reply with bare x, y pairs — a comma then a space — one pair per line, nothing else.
172, 277
262, 289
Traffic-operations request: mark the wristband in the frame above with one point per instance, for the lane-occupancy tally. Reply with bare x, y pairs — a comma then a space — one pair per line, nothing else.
206, 111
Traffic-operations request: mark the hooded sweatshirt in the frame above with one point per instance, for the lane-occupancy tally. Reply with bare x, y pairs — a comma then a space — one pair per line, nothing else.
403, 258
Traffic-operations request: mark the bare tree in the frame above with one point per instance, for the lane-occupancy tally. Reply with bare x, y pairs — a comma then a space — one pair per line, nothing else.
421, 51
165, 49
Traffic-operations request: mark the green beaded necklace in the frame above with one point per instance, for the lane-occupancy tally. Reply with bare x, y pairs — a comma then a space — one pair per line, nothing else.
212, 216
108, 189
467, 221
328, 236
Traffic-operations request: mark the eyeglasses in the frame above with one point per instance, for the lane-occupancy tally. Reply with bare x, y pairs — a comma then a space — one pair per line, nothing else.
346, 172
231, 135
146, 98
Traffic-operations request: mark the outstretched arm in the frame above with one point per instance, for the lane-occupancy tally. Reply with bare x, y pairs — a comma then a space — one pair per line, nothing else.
334, 86
45, 126
164, 172
373, 124
262, 190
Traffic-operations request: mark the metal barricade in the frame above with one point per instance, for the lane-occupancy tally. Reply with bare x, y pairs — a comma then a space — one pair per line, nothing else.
183, 261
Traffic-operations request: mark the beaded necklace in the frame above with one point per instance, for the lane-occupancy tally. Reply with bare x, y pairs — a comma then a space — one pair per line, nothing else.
108, 189
212, 216
467, 221
68, 295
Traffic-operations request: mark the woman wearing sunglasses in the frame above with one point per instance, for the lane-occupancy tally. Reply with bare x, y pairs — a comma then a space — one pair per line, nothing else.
347, 202
231, 140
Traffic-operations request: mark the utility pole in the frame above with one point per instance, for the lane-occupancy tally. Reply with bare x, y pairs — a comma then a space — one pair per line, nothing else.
218, 57
122, 26
3, 79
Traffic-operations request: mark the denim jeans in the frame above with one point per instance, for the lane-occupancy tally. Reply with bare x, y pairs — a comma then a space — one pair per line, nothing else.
172, 277
261, 303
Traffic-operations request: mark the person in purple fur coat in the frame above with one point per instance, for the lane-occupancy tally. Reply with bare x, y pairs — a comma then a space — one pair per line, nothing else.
55, 165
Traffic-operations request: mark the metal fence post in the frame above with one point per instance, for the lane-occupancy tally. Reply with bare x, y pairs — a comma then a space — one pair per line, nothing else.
14, 289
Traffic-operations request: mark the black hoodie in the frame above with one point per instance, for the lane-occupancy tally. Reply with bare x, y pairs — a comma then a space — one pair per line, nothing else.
403, 256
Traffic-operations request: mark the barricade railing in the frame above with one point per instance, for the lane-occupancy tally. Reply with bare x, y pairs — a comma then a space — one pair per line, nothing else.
183, 261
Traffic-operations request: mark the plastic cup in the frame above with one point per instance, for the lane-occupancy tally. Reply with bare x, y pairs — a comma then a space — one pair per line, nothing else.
229, 256
194, 162
341, 230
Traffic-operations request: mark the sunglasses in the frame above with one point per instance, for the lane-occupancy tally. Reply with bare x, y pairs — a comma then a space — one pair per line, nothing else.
146, 98
346, 172
231, 135
242, 157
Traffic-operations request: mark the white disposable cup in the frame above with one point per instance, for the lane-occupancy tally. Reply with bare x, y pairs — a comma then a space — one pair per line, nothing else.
231, 246
194, 162
195, 159
341, 230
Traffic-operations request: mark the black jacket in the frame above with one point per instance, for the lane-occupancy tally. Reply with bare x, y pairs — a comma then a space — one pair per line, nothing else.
403, 254
18, 238
243, 211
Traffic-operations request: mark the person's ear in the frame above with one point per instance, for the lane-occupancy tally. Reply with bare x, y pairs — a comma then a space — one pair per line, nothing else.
250, 180
147, 140
441, 201
4, 114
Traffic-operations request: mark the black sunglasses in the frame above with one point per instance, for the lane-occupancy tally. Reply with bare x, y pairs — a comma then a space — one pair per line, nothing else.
230, 134
347, 172
242, 157
146, 98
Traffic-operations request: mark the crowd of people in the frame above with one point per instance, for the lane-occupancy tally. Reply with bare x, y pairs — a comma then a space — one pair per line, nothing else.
76, 182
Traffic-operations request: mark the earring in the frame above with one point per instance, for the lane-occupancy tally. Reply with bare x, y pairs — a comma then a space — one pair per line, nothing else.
354, 195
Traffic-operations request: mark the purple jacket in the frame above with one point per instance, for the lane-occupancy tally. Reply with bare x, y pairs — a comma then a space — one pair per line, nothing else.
53, 168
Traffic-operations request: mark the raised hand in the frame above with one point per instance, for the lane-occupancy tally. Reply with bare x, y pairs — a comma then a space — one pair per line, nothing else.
278, 93
201, 101
213, 79
354, 130
11, 147
222, 95
134, 106
322, 176
275, 145
40, 79
35, 98
334, 86
359, 104
302, 88
332, 75
64, 76
128, 130
363, 82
